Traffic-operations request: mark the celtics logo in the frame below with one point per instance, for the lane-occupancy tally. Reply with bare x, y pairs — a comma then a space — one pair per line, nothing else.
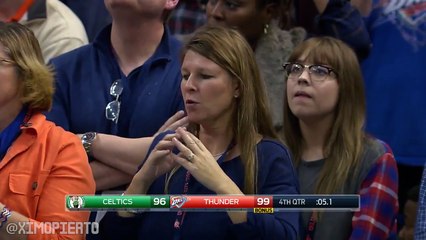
75, 202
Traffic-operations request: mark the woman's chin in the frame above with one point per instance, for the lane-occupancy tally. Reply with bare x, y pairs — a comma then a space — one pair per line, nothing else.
194, 118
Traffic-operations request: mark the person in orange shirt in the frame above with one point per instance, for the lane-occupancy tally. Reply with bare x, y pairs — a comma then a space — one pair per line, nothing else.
40, 163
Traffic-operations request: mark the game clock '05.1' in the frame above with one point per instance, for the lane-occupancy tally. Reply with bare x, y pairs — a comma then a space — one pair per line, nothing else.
324, 202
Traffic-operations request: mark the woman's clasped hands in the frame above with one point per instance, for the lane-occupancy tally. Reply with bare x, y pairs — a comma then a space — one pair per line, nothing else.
191, 154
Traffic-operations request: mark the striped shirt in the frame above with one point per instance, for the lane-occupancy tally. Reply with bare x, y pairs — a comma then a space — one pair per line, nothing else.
187, 17
420, 232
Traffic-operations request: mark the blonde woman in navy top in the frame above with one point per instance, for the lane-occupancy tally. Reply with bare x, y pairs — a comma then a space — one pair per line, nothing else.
230, 147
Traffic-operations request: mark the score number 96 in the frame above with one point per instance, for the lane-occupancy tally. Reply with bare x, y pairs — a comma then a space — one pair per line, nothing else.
263, 202
159, 201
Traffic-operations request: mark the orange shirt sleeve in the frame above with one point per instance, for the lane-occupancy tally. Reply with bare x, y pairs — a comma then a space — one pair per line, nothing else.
70, 174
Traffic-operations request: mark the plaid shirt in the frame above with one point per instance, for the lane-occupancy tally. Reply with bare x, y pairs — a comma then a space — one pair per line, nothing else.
187, 17
379, 201
343, 21
420, 232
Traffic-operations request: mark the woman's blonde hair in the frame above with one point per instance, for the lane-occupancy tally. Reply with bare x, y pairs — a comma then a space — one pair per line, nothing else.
343, 146
22, 47
228, 49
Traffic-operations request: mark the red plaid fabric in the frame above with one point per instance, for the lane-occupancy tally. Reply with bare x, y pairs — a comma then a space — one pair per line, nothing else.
379, 201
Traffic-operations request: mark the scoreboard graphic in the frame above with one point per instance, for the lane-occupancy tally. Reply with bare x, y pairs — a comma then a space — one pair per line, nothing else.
255, 203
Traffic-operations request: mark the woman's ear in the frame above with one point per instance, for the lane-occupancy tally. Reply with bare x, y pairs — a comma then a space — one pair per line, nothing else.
270, 12
171, 4
236, 90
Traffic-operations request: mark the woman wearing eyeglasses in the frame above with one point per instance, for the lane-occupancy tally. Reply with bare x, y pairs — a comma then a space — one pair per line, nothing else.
39, 162
230, 147
267, 26
323, 126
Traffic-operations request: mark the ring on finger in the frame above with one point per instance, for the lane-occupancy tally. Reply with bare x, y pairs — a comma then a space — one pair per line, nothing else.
190, 157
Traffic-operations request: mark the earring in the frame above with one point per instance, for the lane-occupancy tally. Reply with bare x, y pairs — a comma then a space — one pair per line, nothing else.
236, 96
265, 28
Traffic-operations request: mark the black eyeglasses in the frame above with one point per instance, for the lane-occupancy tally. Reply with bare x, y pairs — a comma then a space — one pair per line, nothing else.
317, 72
112, 110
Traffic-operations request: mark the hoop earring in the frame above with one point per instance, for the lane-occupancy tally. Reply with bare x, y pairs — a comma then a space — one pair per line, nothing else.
265, 28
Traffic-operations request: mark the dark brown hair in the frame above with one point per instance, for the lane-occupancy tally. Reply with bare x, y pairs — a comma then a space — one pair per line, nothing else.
343, 146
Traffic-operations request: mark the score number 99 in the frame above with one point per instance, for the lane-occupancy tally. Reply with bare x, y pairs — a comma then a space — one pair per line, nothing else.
263, 201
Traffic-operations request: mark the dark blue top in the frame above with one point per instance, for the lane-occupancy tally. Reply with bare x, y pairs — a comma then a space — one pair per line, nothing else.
340, 20
395, 78
276, 176
83, 79
343, 21
11, 132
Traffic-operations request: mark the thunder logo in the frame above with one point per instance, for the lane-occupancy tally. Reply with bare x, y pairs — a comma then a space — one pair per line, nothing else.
177, 201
